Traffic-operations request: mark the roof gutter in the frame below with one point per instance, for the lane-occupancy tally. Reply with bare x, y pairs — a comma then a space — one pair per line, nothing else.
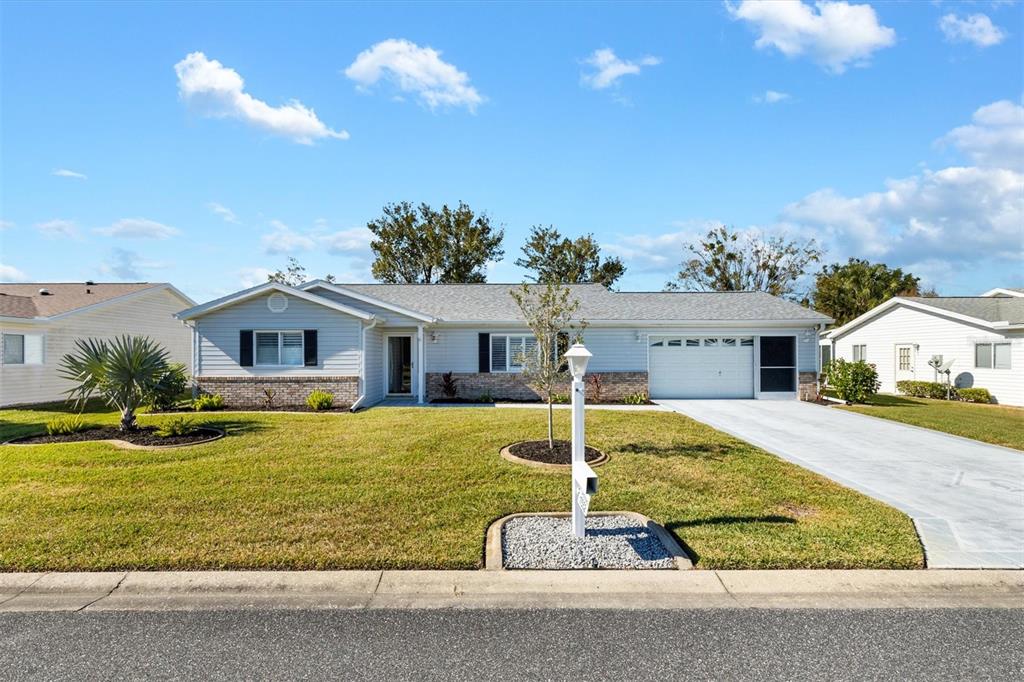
362, 366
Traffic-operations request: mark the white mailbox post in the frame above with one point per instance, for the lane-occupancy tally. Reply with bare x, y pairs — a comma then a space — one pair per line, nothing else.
584, 480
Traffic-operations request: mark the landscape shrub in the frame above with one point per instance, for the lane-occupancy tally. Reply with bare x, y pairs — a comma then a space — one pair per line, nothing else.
449, 385
65, 424
170, 387
974, 395
853, 382
207, 402
638, 398
320, 400
179, 426
597, 387
925, 389
561, 398
485, 397
268, 397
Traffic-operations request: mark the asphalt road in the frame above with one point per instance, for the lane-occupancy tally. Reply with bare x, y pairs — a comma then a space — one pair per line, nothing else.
736, 644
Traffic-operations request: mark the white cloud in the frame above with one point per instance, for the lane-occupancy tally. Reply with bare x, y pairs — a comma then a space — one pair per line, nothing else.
138, 228
284, 239
771, 97
975, 28
995, 138
658, 253
128, 265
250, 277
608, 68
223, 211
835, 36
9, 273
6, 224
55, 229
417, 70
219, 91
65, 173
356, 239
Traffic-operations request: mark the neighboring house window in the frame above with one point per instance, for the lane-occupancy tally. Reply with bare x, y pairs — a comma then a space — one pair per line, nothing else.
279, 348
508, 351
904, 359
826, 356
860, 353
992, 355
23, 349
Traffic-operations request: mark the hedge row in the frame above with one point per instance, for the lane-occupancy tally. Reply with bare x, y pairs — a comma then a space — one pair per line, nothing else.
937, 390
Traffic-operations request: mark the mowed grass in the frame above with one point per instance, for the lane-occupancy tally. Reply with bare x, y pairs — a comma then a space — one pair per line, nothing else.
413, 488
996, 424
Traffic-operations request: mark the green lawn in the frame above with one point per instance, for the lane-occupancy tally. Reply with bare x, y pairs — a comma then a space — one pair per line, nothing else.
413, 488
996, 424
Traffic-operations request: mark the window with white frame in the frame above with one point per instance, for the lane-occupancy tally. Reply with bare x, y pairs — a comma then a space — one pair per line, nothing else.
276, 348
992, 355
23, 349
508, 351
860, 352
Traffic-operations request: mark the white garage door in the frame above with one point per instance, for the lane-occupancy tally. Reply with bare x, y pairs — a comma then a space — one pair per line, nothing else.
701, 366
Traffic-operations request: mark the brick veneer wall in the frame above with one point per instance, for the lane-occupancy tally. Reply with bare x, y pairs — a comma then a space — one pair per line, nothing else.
808, 386
288, 391
507, 386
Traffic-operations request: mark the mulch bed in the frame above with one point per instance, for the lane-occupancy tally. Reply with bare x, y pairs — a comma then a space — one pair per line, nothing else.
538, 451
145, 435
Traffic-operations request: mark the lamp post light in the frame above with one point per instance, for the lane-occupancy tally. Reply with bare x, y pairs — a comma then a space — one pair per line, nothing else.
584, 480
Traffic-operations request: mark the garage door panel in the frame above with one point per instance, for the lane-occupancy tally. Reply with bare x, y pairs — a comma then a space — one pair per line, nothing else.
707, 370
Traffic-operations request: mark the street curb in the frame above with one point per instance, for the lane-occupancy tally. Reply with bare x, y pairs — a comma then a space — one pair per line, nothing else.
494, 558
232, 590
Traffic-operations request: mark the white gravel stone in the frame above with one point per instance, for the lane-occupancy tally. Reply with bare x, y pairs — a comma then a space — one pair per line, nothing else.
610, 542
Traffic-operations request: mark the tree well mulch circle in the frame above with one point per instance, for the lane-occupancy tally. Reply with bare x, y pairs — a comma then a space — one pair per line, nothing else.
143, 437
537, 453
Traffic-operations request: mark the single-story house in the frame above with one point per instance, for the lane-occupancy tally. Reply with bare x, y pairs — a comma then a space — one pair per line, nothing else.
982, 335
366, 342
40, 322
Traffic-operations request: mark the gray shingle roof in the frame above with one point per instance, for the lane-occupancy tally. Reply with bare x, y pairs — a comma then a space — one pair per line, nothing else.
988, 308
492, 303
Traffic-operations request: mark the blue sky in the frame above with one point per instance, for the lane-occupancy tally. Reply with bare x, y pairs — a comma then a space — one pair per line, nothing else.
132, 148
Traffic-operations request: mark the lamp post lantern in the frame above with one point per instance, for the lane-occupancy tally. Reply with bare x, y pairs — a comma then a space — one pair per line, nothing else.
584, 480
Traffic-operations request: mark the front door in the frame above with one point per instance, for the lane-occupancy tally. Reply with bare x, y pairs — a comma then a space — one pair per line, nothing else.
399, 365
905, 362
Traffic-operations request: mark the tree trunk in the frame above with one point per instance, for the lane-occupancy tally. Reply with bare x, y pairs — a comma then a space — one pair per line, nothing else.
551, 424
127, 419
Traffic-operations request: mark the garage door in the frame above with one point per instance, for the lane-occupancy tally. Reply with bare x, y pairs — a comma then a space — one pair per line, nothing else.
701, 366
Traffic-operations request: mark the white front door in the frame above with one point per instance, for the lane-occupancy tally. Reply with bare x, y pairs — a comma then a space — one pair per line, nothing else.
905, 361
701, 366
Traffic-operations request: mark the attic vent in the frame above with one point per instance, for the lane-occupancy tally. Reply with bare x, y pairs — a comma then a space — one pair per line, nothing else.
277, 303
45, 292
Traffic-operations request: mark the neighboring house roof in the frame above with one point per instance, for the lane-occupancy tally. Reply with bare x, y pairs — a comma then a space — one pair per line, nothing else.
492, 303
996, 312
26, 301
259, 290
1005, 291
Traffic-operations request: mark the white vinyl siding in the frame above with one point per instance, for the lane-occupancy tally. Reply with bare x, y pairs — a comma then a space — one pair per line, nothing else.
338, 339
935, 334
149, 313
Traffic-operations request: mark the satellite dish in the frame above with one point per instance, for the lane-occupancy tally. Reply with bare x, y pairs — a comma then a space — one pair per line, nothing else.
944, 367
935, 362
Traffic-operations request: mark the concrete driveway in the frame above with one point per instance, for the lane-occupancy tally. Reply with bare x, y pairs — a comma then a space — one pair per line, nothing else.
965, 497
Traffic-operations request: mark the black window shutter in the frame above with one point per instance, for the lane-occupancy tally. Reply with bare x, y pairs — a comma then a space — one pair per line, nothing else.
309, 339
562, 345
245, 348
485, 353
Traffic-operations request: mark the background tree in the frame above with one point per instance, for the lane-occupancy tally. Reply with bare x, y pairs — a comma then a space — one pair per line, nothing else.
294, 274
125, 372
846, 291
725, 260
550, 311
552, 258
423, 246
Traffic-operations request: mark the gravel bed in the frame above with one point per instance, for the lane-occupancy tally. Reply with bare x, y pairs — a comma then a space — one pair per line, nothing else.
610, 542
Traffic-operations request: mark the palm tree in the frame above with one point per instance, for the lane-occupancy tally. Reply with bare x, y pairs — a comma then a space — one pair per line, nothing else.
123, 372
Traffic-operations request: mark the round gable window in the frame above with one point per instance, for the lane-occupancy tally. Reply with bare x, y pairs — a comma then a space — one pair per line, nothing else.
277, 303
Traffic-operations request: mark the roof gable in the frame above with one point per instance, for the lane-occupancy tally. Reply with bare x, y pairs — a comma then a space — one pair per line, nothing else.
991, 312
259, 290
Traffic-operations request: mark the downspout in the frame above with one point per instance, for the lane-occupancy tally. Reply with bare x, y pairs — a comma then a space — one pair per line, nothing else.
362, 365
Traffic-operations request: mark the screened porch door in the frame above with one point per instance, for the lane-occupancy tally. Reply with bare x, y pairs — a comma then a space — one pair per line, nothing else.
399, 365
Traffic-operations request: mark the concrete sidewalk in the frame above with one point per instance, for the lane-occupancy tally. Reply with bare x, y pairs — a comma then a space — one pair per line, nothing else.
198, 590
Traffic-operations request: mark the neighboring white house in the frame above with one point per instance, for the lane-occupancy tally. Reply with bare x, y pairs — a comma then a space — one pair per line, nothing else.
40, 322
365, 342
982, 335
